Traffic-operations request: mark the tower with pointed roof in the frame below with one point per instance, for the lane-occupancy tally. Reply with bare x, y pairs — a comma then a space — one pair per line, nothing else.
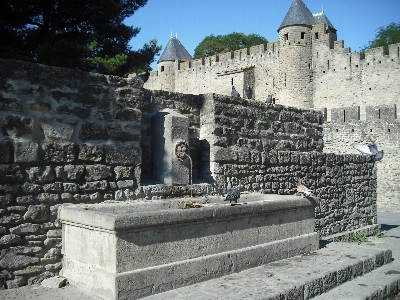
295, 56
174, 53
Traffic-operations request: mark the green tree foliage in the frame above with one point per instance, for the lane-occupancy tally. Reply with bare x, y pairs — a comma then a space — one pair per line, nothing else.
212, 45
74, 34
385, 36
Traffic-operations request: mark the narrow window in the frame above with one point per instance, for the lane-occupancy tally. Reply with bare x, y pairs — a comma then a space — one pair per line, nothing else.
379, 113
350, 60
328, 64
344, 116
316, 35
286, 37
398, 51
303, 34
162, 68
231, 81
285, 79
388, 129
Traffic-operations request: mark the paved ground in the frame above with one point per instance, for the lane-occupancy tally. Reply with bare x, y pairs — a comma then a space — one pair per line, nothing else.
390, 225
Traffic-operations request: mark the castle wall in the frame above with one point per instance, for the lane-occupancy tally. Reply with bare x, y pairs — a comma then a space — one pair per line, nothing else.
257, 66
70, 137
343, 79
383, 127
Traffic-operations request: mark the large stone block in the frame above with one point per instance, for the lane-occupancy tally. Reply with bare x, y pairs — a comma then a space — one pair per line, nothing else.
58, 152
182, 243
9, 239
26, 151
10, 173
57, 131
13, 261
93, 153
70, 172
40, 174
37, 213
98, 172
94, 186
92, 131
123, 172
123, 154
24, 229
170, 130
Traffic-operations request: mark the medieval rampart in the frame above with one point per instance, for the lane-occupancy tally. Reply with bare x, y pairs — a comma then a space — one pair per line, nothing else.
382, 126
74, 137
343, 79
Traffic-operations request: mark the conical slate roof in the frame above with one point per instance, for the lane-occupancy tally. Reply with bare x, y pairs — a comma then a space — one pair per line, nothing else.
298, 14
175, 51
322, 18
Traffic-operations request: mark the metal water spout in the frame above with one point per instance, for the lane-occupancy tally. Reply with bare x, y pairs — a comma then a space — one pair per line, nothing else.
182, 150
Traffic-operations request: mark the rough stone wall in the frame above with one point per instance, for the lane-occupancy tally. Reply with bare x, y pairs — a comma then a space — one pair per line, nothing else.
265, 148
382, 126
74, 137
66, 137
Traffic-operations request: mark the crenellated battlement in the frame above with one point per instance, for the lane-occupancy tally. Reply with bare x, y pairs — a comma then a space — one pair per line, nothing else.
342, 115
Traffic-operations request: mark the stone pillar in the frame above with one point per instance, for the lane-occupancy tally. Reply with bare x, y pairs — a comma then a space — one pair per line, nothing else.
169, 130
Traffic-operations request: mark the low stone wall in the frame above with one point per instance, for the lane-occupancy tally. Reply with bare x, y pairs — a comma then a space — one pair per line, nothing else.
265, 148
74, 137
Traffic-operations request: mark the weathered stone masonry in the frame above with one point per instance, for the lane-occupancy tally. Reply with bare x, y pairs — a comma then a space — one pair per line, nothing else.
74, 137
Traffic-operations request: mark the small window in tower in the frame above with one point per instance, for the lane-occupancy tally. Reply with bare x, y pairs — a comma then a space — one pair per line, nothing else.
286, 37
162, 68
303, 34
231, 81
316, 35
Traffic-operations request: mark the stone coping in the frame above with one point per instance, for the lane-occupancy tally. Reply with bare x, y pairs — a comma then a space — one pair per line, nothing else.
147, 213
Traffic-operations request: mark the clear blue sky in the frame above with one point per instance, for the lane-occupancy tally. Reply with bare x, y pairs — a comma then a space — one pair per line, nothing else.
356, 21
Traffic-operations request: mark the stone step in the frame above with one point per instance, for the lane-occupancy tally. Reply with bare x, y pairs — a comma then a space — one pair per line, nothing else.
301, 277
377, 284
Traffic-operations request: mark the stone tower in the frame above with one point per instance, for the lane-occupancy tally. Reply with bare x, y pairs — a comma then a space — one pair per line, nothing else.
174, 53
295, 56
323, 33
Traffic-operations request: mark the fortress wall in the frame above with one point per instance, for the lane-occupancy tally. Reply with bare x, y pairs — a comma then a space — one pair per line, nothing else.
216, 74
381, 125
344, 79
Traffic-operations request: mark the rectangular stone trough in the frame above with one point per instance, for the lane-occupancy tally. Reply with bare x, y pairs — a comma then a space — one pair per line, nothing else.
133, 249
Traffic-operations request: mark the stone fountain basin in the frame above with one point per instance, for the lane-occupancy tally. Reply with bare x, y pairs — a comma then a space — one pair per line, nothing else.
133, 249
